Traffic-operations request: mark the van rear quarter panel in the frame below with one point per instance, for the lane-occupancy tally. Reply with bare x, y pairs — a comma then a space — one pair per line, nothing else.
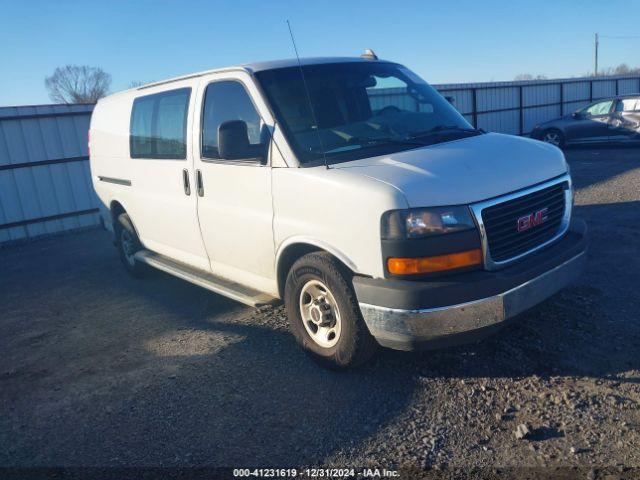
110, 149
336, 210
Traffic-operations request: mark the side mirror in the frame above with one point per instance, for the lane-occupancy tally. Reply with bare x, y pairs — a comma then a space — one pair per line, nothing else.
577, 115
233, 143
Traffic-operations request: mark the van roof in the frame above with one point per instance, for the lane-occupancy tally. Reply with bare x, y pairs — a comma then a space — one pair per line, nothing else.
293, 62
255, 67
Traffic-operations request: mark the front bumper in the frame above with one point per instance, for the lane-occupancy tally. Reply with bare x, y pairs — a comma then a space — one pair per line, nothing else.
408, 315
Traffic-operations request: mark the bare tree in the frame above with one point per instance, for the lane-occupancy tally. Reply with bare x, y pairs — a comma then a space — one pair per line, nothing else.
77, 84
622, 69
528, 76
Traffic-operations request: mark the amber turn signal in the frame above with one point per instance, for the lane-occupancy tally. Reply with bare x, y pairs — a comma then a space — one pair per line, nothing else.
439, 263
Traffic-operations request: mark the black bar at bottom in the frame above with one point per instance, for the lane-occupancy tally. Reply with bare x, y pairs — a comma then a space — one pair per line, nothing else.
22, 223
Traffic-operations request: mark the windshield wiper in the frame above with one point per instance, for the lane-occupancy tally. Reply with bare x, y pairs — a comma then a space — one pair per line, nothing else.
410, 140
372, 142
394, 140
441, 129
359, 142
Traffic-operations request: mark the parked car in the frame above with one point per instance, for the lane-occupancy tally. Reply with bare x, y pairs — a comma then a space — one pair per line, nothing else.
615, 120
346, 187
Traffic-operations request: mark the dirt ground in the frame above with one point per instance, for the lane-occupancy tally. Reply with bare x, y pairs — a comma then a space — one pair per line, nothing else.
98, 369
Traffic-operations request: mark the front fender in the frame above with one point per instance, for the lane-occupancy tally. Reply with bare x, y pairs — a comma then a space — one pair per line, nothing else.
307, 240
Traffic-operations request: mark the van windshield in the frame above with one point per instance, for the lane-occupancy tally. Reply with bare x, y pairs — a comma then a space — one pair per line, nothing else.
360, 109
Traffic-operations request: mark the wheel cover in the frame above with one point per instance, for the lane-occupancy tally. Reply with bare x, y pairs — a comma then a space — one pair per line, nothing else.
128, 246
320, 314
552, 137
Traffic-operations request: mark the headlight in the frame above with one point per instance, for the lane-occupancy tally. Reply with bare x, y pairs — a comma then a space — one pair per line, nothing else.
423, 222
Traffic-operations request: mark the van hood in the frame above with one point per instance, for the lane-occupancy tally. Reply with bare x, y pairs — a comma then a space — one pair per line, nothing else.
464, 171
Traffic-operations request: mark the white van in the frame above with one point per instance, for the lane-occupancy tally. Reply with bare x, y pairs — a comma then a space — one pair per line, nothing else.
346, 187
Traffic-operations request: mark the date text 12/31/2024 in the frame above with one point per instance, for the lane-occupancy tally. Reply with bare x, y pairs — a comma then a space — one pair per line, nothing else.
315, 473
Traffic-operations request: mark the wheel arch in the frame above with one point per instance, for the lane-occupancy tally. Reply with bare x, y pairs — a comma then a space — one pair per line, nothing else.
290, 251
116, 208
555, 128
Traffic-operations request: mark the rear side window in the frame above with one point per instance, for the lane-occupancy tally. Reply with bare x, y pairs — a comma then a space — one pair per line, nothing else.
159, 125
628, 105
225, 101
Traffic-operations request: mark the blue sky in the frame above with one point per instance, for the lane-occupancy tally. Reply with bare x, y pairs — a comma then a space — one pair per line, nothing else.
444, 41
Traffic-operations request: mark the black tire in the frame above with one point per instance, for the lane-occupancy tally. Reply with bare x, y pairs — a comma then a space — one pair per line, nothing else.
355, 345
547, 134
128, 244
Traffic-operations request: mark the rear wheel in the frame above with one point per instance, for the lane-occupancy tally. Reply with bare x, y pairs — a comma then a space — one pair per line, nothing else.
323, 313
128, 245
554, 137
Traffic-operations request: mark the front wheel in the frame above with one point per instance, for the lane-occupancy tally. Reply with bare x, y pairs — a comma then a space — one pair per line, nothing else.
554, 137
324, 314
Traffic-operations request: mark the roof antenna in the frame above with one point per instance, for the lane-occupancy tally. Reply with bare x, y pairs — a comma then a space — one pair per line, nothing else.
306, 89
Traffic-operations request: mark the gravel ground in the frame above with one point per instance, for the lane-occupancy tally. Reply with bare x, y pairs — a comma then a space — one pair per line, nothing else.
99, 369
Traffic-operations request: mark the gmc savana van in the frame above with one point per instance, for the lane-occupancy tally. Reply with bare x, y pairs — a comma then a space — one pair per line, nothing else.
347, 188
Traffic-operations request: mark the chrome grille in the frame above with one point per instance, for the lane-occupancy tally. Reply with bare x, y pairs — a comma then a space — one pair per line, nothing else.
503, 242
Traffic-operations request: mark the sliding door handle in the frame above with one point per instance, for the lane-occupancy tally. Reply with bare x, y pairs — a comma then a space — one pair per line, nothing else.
199, 184
185, 182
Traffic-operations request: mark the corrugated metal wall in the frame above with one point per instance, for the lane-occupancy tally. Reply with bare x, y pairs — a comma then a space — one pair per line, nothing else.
45, 184
516, 107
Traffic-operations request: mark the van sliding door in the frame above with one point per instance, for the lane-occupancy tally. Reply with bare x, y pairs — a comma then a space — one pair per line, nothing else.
162, 203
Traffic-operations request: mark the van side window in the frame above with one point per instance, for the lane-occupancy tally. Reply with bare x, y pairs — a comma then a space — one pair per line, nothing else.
159, 125
225, 101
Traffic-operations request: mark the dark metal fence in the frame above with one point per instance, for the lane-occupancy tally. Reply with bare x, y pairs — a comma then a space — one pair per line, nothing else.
553, 96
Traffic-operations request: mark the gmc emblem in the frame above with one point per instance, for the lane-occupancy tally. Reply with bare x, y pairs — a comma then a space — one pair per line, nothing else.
532, 220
